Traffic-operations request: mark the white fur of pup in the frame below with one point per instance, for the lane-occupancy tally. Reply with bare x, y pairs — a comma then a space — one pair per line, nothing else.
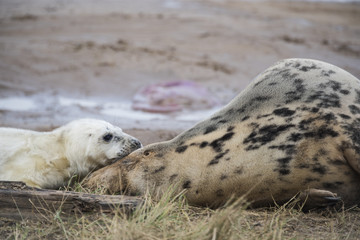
49, 159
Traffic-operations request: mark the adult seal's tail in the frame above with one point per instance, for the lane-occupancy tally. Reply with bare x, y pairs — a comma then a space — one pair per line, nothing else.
294, 131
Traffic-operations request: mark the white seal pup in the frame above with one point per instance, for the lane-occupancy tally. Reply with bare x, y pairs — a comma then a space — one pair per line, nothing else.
49, 159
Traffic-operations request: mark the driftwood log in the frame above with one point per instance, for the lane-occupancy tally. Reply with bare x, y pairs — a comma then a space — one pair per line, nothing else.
19, 201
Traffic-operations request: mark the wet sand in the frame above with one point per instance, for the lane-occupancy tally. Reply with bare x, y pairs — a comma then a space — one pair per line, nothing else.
61, 60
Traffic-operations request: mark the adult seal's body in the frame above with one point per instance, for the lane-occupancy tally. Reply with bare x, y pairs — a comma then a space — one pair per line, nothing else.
294, 130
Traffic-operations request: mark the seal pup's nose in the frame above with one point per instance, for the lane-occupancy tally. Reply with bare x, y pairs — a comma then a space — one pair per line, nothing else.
135, 144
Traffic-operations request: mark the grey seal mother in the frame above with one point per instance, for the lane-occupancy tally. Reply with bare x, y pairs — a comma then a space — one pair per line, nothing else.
295, 130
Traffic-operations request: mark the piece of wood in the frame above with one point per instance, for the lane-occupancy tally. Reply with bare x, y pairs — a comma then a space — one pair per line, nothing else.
19, 201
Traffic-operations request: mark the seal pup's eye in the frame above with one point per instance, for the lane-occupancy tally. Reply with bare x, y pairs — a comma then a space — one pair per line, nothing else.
147, 153
107, 137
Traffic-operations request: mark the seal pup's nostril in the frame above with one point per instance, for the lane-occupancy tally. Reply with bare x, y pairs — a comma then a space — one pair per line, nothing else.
136, 143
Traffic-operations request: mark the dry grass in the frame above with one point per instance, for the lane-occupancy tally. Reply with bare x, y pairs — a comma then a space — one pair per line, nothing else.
172, 218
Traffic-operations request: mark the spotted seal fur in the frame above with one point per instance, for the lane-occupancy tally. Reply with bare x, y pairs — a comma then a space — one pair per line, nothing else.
295, 130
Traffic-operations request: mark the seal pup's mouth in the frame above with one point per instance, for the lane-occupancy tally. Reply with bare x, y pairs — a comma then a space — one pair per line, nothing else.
135, 145
117, 158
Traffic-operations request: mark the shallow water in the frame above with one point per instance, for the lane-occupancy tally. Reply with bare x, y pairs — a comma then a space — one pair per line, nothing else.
67, 108
17, 104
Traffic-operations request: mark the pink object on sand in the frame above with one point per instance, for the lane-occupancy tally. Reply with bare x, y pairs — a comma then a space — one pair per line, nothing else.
172, 97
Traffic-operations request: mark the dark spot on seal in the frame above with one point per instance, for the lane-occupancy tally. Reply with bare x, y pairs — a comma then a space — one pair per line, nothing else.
159, 155
283, 165
265, 135
334, 85
353, 131
203, 144
230, 128
322, 132
287, 74
263, 116
210, 129
217, 158
284, 171
181, 149
222, 177
297, 93
337, 162
220, 193
254, 125
322, 151
283, 112
242, 109
187, 184
354, 109
357, 100
328, 117
325, 100
316, 158
303, 165
289, 149
325, 73
172, 177
245, 118
314, 110
308, 68
317, 168
215, 118
304, 124
239, 170
344, 116
226, 137
295, 137
309, 180
230, 112
223, 121
197, 191
217, 144
344, 91
272, 83
162, 168
333, 185
252, 147
260, 99
284, 161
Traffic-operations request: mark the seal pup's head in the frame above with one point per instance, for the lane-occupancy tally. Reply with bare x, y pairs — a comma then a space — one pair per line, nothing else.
92, 143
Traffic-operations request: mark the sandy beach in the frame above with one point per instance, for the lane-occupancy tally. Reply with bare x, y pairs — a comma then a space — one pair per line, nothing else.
62, 60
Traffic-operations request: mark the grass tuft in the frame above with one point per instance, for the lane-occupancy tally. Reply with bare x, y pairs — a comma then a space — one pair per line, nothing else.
170, 217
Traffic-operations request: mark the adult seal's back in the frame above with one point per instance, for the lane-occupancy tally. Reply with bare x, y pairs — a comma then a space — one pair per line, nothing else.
295, 130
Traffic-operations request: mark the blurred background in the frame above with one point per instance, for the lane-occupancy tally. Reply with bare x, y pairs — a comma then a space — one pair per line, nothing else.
155, 67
